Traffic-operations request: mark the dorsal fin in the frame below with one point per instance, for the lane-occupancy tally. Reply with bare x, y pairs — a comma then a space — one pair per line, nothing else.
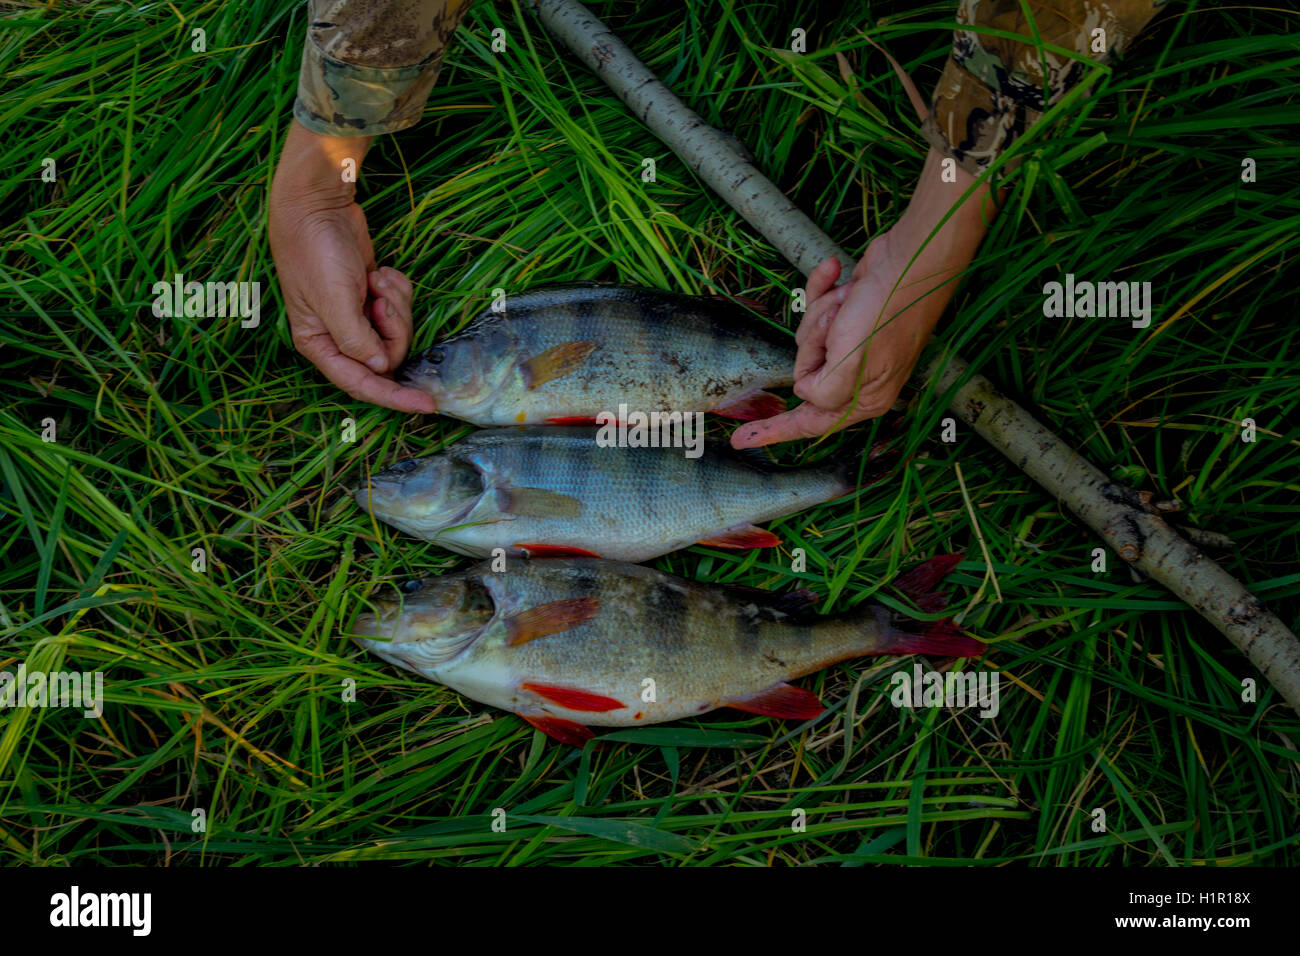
796, 607
760, 457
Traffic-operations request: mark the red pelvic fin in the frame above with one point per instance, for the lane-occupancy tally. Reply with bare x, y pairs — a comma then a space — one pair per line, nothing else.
573, 699
751, 407
556, 362
550, 618
742, 538
554, 551
565, 731
573, 420
781, 700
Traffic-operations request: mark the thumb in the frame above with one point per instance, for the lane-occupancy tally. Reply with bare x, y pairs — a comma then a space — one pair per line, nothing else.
803, 421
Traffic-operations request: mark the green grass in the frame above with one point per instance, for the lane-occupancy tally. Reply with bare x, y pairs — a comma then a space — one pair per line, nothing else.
224, 688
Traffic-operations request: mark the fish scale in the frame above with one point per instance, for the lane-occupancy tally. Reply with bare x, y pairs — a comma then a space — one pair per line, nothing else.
557, 487
573, 644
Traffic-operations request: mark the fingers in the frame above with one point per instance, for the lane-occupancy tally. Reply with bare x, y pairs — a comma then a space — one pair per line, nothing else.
850, 364
835, 382
350, 328
356, 379
813, 323
392, 284
814, 329
804, 421
822, 279
390, 312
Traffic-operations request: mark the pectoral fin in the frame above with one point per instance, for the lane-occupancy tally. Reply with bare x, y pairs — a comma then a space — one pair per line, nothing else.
565, 731
538, 503
781, 700
555, 362
550, 618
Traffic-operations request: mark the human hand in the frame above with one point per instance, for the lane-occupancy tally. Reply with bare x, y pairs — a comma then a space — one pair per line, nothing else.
859, 342
348, 318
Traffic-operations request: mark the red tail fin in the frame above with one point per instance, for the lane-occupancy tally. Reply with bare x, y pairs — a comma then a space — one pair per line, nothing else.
904, 635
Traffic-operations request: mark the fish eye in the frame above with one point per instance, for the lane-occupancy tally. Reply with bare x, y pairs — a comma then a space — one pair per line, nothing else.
406, 467
434, 356
410, 587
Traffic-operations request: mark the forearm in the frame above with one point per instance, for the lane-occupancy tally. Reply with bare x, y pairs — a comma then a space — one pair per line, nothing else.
317, 171
971, 216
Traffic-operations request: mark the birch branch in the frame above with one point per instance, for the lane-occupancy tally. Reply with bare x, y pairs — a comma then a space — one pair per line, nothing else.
1124, 519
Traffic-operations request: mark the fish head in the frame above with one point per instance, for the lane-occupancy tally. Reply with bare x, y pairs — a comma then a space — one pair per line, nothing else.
464, 372
432, 622
423, 495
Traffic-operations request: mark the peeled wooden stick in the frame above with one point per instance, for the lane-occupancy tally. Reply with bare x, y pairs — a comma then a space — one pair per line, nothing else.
1124, 518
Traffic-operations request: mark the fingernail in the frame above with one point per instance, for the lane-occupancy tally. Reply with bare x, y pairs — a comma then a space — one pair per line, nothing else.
376, 364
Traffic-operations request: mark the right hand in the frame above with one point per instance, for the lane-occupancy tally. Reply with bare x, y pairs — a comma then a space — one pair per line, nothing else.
893, 300
348, 318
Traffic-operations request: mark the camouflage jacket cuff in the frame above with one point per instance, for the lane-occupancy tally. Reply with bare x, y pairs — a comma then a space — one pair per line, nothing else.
974, 124
341, 99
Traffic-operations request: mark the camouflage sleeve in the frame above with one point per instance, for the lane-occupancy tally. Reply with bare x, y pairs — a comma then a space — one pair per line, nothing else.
993, 88
368, 65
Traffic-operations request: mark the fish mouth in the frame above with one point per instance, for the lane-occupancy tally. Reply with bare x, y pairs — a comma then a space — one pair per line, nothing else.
419, 374
364, 634
377, 633
385, 487
364, 631
375, 493
416, 370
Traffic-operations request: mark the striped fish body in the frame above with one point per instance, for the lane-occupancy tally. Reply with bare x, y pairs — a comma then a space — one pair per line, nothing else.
572, 352
578, 643
541, 490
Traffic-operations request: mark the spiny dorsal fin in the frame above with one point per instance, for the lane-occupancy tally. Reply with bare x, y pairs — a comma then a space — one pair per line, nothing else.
794, 607
760, 457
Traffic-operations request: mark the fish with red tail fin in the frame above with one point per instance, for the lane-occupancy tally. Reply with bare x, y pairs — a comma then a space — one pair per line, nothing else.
574, 644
